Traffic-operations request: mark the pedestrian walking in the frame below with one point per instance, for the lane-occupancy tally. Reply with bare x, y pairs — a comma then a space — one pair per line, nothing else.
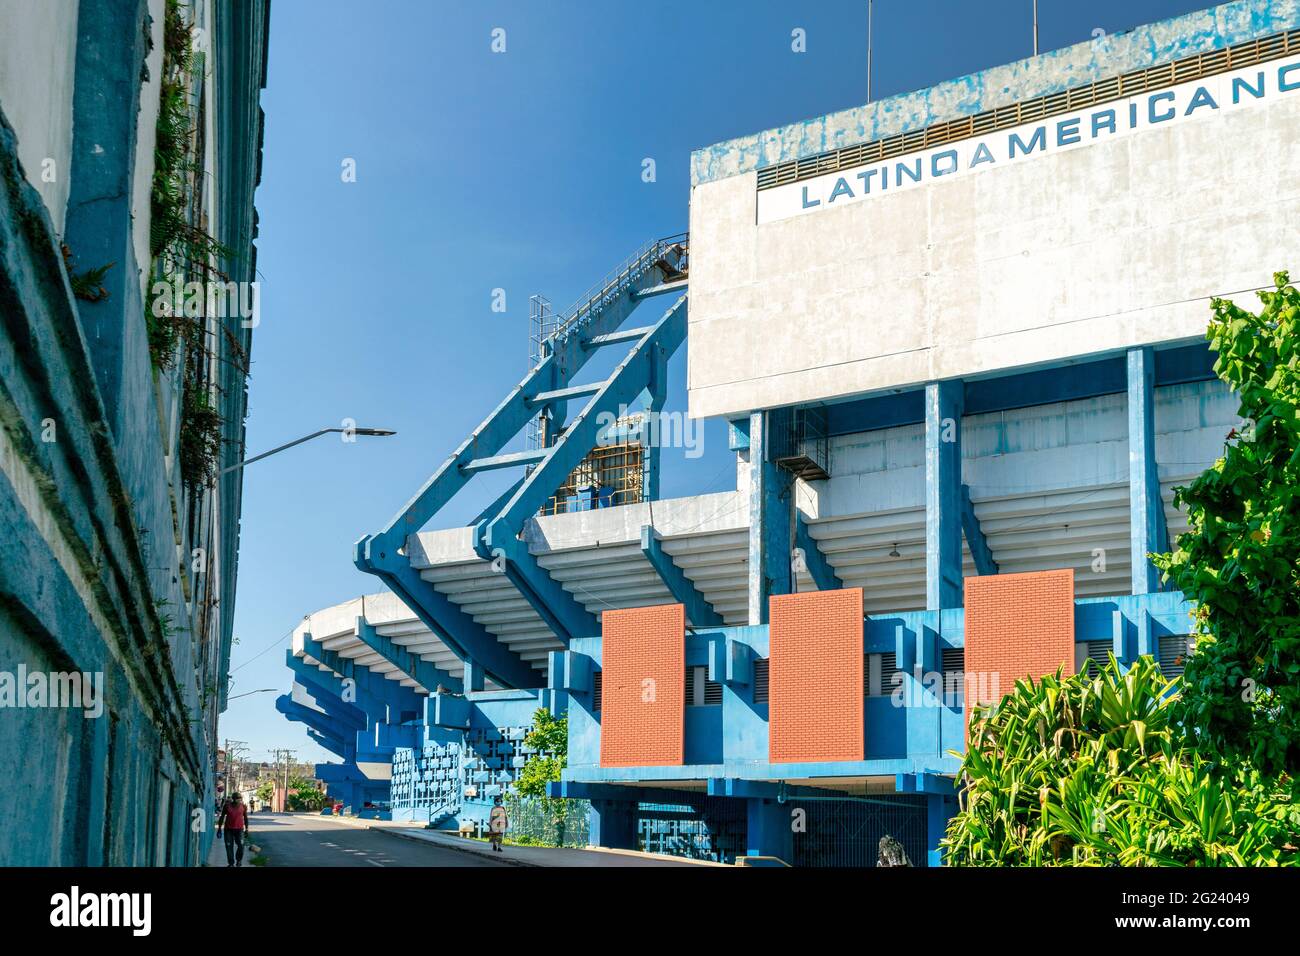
234, 821
498, 824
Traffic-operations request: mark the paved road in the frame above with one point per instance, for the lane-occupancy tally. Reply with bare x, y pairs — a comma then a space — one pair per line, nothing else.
288, 840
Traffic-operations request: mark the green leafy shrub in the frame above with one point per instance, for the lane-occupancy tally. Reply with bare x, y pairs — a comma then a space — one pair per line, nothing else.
550, 739
1093, 771
1240, 559
305, 798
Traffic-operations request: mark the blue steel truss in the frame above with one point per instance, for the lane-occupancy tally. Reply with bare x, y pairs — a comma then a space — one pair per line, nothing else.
594, 323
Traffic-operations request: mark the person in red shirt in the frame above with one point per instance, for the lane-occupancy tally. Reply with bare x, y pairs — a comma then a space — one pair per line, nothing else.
234, 820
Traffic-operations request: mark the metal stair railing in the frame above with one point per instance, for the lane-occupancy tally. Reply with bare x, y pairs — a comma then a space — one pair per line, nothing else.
613, 284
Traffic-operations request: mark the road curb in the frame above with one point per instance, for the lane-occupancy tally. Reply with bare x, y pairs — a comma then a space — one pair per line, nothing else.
473, 851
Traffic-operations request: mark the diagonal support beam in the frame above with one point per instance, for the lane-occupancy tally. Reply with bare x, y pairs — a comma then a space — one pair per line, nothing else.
567, 354
698, 609
385, 554
305, 671
427, 675
348, 715
332, 744
632, 376
365, 681
318, 721
335, 744
465, 637
564, 614
378, 698
665, 288
975, 540
327, 698
819, 569
499, 539
342, 666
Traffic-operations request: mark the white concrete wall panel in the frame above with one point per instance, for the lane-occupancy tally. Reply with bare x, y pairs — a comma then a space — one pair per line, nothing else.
38, 58
1072, 253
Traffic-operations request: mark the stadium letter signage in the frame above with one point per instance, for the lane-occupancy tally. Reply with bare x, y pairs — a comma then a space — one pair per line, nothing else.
1186, 102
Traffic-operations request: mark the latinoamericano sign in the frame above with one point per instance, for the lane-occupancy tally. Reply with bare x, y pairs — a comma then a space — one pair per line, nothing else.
1184, 103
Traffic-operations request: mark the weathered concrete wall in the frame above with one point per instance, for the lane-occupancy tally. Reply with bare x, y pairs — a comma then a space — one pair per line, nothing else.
1095, 249
76, 592
1051, 72
96, 569
1098, 249
38, 47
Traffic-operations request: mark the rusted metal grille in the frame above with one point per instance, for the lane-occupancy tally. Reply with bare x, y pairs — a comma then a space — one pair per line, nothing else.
610, 475
1052, 104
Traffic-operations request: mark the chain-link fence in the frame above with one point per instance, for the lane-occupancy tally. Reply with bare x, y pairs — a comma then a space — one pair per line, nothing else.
548, 822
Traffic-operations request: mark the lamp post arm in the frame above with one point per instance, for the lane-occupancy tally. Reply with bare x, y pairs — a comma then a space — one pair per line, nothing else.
266, 454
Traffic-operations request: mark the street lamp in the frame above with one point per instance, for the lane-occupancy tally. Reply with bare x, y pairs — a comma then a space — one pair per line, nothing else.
368, 432
264, 690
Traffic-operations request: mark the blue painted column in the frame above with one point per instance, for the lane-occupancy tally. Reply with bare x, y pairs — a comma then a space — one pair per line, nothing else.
1146, 509
613, 824
652, 430
940, 808
943, 498
768, 831
770, 515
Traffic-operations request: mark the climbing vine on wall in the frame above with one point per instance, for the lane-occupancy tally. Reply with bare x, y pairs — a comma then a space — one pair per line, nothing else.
200, 437
185, 257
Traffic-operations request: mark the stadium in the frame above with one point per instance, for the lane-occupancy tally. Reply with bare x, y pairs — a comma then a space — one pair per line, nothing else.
958, 337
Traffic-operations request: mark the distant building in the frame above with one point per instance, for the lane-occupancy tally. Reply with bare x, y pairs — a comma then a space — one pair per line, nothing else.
959, 339
130, 148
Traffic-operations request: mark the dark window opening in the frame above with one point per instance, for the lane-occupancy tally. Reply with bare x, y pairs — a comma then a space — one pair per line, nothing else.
760, 680
1173, 650
700, 691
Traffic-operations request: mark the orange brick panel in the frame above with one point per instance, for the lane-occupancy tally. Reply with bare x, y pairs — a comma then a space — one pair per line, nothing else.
815, 697
643, 657
1017, 625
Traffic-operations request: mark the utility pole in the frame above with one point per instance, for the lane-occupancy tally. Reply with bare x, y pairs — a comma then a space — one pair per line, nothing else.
233, 775
286, 754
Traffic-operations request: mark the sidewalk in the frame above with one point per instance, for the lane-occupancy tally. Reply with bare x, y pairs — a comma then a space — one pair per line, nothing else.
217, 855
524, 855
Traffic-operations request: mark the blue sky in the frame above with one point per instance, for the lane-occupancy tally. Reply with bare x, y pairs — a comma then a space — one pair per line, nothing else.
520, 171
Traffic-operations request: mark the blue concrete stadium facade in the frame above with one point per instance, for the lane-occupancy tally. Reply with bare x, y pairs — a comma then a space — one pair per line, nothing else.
445, 745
